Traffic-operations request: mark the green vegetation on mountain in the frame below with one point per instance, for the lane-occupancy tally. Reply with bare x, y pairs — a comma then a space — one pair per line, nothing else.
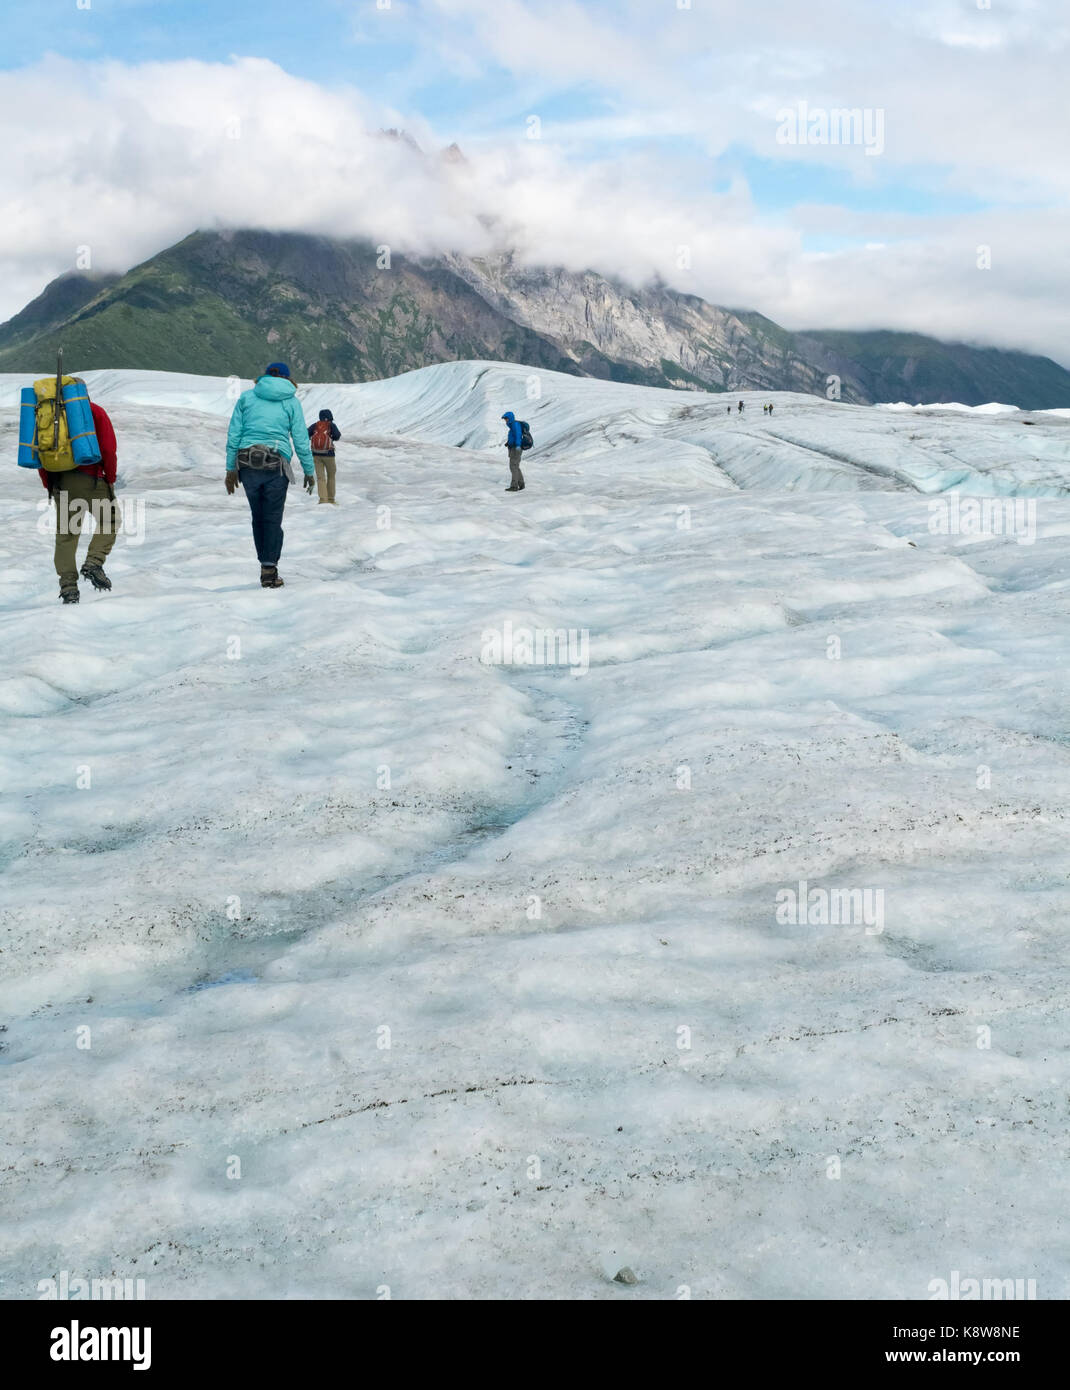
911, 367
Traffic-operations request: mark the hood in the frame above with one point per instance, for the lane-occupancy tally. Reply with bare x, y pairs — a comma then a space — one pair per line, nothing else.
509, 416
275, 388
326, 415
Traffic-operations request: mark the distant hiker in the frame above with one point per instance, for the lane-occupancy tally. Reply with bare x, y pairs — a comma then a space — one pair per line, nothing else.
264, 423
770, 407
729, 409
741, 407
79, 491
322, 436
517, 439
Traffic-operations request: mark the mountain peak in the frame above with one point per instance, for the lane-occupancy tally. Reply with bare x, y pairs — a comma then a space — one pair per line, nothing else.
401, 136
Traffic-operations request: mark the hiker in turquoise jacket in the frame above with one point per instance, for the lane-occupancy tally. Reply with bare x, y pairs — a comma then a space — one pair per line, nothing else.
266, 425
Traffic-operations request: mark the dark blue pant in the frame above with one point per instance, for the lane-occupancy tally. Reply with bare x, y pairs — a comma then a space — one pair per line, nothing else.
266, 491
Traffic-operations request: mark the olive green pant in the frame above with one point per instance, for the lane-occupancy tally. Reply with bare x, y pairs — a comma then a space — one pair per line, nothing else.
517, 478
77, 496
325, 471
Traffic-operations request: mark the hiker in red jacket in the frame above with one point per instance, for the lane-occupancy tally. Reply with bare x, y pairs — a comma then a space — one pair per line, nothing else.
81, 491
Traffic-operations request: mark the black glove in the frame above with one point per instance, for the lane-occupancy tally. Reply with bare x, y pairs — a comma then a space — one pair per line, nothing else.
232, 480
310, 482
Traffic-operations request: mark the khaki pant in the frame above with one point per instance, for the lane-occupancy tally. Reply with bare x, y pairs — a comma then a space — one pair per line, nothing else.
77, 496
325, 471
517, 478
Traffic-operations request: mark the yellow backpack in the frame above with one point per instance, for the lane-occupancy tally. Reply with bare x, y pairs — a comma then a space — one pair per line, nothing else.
54, 451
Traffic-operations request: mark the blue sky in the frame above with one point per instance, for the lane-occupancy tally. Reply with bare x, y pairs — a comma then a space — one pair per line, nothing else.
141, 30
329, 40
658, 128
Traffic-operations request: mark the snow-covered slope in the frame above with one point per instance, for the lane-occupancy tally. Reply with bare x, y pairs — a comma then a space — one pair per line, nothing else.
476, 969
807, 444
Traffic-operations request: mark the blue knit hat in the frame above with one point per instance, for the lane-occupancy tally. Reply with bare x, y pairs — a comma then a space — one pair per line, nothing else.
277, 369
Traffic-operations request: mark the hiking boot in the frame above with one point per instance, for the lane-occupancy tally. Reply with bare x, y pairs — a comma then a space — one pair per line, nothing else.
93, 570
69, 593
270, 577
512, 488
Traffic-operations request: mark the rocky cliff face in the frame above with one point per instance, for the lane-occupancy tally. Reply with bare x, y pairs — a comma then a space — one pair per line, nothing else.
686, 340
224, 303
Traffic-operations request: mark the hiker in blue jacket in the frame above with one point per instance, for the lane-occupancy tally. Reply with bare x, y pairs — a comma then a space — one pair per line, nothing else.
266, 425
512, 443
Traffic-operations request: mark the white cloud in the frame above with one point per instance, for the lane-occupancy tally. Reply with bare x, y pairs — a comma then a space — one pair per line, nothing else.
987, 106
128, 159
